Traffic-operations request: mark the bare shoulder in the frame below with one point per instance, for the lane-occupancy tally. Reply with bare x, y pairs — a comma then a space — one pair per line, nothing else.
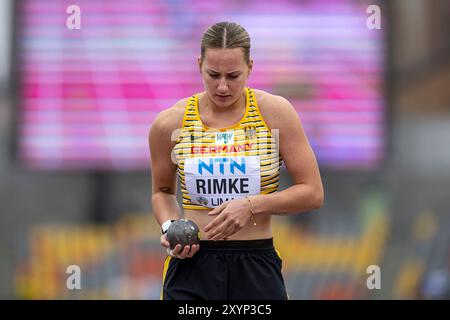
275, 109
171, 118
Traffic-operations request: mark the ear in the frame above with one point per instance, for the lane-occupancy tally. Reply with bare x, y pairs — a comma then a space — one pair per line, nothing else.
250, 66
199, 61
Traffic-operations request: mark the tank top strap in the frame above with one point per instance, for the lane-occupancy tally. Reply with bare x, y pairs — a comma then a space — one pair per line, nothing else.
190, 117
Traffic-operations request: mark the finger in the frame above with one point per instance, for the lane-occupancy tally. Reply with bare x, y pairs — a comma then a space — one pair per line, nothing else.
232, 231
170, 253
218, 236
228, 231
215, 222
218, 232
177, 249
194, 249
223, 233
164, 241
217, 210
184, 252
225, 229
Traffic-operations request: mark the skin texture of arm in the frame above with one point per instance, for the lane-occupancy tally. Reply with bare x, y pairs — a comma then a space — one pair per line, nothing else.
307, 192
163, 170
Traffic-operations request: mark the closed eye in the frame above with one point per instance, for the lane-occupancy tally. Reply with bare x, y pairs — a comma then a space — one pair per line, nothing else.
217, 76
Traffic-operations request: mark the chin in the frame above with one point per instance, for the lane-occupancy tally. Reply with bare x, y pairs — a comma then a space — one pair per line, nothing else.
226, 102
222, 104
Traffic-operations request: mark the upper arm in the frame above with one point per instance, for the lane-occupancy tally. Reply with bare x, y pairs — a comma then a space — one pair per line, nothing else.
160, 139
294, 146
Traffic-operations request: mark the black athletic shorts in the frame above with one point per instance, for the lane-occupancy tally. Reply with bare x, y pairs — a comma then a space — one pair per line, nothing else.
226, 270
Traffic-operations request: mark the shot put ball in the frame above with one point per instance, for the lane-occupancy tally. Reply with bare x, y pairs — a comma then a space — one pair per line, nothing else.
184, 232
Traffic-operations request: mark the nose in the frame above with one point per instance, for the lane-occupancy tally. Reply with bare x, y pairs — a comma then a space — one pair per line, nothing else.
223, 85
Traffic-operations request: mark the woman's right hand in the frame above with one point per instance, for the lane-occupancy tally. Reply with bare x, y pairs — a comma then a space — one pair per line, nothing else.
179, 252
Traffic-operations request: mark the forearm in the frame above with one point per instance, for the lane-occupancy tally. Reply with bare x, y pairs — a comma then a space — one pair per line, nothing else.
165, 207
295, 199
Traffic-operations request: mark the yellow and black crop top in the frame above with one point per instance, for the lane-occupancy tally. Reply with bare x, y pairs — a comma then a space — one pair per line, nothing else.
216, 165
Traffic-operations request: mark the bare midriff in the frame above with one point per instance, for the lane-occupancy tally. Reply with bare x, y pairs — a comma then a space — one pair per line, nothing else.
262, 229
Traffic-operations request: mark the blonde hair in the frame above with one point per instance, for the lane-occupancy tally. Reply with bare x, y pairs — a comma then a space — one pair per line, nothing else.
226, 35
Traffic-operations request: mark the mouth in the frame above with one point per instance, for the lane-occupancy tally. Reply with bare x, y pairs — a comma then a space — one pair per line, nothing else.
222, 97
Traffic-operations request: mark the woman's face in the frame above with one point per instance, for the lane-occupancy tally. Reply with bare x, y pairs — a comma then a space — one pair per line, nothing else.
224, 73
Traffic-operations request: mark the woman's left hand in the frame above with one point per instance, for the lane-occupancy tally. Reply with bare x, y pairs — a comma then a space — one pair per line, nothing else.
231, 216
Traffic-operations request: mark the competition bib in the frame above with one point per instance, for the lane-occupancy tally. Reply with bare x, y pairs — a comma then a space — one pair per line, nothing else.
210, 181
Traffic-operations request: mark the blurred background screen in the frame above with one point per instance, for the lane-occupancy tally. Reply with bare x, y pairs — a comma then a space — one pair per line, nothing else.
87, 97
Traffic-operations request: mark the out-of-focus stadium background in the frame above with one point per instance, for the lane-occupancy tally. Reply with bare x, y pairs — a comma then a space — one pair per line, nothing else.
76, 106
